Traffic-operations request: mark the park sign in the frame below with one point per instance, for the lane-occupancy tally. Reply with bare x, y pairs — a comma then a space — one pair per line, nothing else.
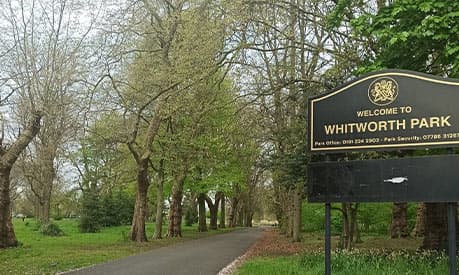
386, 110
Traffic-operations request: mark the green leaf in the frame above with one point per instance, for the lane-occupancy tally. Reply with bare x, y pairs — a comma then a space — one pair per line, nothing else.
452, 50
425, 6
453, 14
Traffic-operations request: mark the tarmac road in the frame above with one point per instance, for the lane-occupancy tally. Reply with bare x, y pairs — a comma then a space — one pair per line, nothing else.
205, 256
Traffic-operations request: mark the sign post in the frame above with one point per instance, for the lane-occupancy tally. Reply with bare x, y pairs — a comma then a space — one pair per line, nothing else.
383, 111
452, 214
327, 239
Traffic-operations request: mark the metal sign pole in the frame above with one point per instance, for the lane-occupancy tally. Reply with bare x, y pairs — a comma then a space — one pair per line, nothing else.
327, 239
452, 214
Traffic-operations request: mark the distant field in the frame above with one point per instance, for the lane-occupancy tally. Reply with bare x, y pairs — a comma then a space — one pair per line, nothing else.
40, 254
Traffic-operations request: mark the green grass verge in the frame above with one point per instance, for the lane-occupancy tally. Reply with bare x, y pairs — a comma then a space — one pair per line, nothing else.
351, 263
41, 254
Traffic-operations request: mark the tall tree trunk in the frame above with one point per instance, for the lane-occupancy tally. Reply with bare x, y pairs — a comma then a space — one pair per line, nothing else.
213, 210
284, 212
140, 211
240, 216
142, 160
290, 211
297, 199
232, 213
7, 159
45, 206
175, 211
399, 226
419, 228
222, 211
202, 226
349, 211
48, 174
213, 217
7, 236
353, 224
436, 228
159, 203
248, 219
345, 224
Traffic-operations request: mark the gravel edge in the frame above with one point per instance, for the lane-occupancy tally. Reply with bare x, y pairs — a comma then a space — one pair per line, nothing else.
234, 265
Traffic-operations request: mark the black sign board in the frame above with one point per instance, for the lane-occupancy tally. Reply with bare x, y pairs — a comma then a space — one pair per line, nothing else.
386, 110
421, 179
391, 109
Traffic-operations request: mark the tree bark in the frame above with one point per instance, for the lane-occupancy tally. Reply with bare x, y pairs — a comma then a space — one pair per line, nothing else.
7, 236
140, 211
7, 159
45, 206
202, 226
222, 211
175, 211
297, 197
436, 228
232, 213
142, 160
349, 211
248, 219
159, 203
399, 226
419, 228
213, 209
240, 216
40, 173
290, 211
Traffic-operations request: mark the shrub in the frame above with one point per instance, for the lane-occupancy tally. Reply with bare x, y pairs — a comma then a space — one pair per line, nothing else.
91, 215
116, 208
58, 218
51, 229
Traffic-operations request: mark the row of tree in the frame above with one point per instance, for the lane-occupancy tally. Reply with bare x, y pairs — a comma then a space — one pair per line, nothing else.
136, 97
179, 101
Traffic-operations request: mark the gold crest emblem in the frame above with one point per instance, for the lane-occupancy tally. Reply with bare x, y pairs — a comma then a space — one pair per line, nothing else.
383, 91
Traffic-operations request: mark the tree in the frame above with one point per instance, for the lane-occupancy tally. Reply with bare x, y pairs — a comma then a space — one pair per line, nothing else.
40, 57
170, 57
287, 48
399, 226
213, 209
8, 156
159, 201
47, 58
202, 225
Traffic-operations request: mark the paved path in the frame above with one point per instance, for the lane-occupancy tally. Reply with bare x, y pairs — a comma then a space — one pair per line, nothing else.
205, 256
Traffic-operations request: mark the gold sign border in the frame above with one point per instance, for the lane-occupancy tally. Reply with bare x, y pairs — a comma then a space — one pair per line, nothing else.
311, 144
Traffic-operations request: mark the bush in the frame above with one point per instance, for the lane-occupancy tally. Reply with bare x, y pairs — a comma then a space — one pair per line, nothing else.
51, 229
91, 215
89, 225
116, 208
109, 209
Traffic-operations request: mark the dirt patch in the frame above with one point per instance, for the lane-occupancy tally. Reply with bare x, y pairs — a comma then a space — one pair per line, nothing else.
272, 243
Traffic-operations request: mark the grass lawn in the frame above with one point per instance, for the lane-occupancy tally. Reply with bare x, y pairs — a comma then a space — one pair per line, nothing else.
376, 255
344, 264
41, 254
